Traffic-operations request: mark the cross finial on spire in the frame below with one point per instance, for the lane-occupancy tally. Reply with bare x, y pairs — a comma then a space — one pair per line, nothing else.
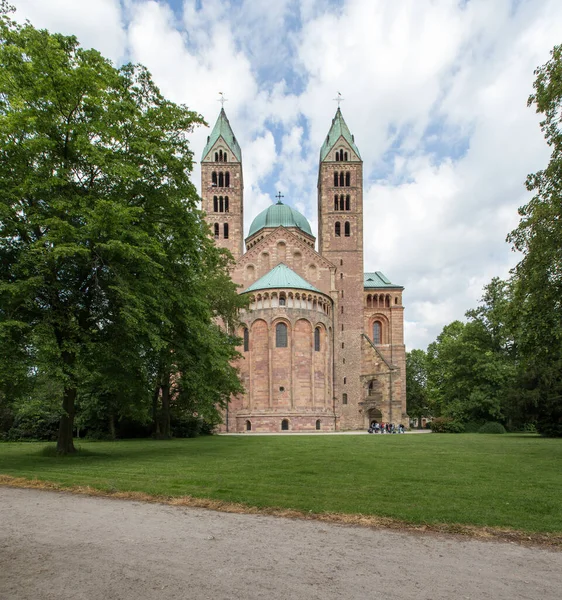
222, 99
279, 196
339, 99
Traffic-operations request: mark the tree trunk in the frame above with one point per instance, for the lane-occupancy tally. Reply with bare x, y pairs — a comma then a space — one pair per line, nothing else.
166, 429
112, 425
155, 421
65, 443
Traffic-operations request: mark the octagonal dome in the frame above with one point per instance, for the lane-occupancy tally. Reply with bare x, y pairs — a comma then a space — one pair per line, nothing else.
280, 214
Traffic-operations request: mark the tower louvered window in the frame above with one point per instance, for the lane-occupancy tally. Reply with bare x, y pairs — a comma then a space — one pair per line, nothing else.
246, 339
225, 231
226, 204
347, 229
336, 179
216, 231
317, 339
347, 202
347, 179
215, 204
337, 229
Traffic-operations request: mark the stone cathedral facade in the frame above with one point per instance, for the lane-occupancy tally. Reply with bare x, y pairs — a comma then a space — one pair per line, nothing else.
323, 341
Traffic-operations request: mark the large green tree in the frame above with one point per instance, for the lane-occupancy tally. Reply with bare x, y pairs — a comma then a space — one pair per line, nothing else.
538, 277
416, 385
105, 258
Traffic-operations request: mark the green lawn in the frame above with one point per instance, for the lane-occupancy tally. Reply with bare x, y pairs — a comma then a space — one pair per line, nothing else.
505, 480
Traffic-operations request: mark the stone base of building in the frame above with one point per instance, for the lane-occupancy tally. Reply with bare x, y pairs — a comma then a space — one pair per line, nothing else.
279, 423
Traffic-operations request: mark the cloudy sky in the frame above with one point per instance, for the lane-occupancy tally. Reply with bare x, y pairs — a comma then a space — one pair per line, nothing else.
435, 94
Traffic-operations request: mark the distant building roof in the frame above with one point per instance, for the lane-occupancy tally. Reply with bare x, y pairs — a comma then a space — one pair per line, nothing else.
378, 280
281, 276
223, 129
280, 214
338, 129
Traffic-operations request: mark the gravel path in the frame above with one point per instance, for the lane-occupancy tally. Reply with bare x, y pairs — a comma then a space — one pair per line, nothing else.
56, 545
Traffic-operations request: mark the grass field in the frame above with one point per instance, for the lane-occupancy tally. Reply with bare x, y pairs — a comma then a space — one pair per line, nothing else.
504, 481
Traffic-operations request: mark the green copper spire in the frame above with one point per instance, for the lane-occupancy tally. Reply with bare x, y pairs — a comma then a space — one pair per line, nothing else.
338, 129
223, 129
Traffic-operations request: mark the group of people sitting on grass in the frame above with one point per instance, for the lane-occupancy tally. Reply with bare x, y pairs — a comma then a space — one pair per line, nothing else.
377, 427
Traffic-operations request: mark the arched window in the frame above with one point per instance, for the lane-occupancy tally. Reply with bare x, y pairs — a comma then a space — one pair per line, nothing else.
281, 335
337, 229
317, 339
226, 204
216, 231
347, 202
341, 202
336, 179
336, 203
248, 426
225, 231
344, 399
377, 332
337, 155
347, 179
246, 339
282, 301
216, 157
214, 179
221, 179
227, 179
347, 229
317, 424
215, 204
387, 302
285, 425
221, 204
225, 157
345, 156
341, 179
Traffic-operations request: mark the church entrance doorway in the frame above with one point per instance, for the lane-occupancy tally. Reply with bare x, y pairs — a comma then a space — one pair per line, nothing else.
374, 415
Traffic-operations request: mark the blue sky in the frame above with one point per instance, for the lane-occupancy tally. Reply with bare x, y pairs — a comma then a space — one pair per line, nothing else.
435, 93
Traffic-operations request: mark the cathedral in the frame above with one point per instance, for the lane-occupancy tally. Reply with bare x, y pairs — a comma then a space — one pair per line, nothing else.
322, 341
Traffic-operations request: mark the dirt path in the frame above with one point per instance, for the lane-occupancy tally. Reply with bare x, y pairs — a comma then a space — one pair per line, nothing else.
56, 545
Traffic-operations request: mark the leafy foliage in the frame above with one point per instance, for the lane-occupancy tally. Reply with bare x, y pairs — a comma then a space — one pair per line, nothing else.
492, 427
109, 282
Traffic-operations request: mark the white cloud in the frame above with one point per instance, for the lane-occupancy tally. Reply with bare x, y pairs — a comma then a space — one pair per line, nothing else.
97, 24
435, 93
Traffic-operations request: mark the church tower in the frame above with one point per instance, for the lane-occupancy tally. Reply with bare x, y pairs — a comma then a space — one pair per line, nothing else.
222, 187
340, 240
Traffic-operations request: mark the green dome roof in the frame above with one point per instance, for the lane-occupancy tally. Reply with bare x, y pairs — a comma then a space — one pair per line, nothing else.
281, 276
280, 214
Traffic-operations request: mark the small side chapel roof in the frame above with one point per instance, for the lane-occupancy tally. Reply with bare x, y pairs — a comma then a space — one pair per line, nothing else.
378, 280
281, 276
338, 129
223, 129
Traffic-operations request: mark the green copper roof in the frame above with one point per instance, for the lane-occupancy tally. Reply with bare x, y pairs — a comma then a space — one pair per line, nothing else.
378, 280
281, 277
338, 129
279, 214
223, 129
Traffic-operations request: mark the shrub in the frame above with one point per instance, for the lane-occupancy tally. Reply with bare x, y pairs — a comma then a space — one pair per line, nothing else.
473, 426
492, 427
446, 425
